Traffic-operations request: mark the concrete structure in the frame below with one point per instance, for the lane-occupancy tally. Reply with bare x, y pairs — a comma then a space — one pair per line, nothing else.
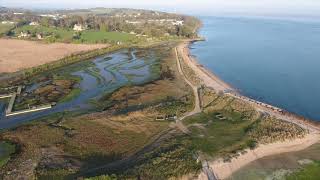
35, 109
3, 96
78, 27
12, 101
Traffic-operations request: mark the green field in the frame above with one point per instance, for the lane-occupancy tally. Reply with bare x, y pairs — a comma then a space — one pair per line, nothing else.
214, 136
52, 34
309, 172
103, 36
6, 149
4, 28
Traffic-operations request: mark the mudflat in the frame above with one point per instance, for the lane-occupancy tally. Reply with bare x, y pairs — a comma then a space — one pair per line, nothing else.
19, 54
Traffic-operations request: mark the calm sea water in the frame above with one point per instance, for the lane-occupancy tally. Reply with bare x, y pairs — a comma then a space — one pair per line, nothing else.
275, 61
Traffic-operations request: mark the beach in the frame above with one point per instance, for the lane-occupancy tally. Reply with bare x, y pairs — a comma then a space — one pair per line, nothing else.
223, 170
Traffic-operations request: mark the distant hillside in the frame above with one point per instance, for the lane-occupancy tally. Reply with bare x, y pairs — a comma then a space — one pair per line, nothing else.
139, 22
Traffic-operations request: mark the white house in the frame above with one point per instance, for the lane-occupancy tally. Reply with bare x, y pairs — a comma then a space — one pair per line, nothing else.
133, 22
78, 27
39, 36
24, 35
34, 24
7, 22
178, 23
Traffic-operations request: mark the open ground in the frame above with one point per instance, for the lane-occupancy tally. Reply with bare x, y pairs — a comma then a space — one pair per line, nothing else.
18, 54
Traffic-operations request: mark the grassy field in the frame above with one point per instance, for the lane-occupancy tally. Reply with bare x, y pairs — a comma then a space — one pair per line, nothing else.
309, 172
228, 126
215, 137
102, 36
52, 34
173, 158
6, 149
4, 28
91, 140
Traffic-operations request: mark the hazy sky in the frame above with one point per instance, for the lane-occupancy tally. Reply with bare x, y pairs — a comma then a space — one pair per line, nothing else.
185, 6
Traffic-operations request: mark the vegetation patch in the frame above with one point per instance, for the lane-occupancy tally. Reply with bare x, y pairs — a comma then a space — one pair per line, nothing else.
309, 172
104, 37
5, 28
51, 34
228, 126
6, 150
270, 130
173, 158
214, 136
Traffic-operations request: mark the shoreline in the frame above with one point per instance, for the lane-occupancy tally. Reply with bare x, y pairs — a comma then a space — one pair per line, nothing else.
223, 170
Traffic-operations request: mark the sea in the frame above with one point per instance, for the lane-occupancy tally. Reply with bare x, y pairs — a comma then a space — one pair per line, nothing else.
276, 60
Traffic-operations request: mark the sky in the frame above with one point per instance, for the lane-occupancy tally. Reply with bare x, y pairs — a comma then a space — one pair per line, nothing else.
198, 7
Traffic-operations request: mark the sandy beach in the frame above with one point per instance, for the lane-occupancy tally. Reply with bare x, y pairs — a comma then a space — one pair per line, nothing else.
223, 170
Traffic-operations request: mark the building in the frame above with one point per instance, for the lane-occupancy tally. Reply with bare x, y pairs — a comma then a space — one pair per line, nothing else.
7, 22
78, 27
178, 23
34, 24
24, 35
133, 22
39, 36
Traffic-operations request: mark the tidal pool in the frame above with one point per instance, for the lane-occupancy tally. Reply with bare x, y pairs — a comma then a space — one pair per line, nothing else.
99, 76
278, 166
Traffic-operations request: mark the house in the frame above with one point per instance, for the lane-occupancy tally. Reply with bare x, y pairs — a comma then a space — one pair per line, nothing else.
78, 27
7, 22
178, 23
24, 35
132, 32
34, 24
39, 36
133, 22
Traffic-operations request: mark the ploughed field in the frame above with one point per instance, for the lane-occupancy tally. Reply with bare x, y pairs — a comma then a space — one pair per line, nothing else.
19, 54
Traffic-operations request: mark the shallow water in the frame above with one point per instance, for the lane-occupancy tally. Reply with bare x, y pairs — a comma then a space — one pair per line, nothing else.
106, 74
277, 165
275, 61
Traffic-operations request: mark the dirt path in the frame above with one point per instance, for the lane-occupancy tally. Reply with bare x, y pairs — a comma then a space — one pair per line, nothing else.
223, 170
197, 108
207, 172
